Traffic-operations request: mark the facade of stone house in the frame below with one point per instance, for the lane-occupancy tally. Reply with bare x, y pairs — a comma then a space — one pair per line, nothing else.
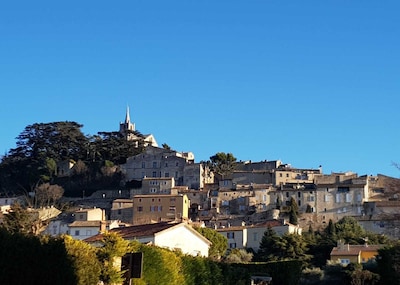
340, 195
196, 175
250, 236
122, 210
157, 185
304, 194
157, 162
285, 174
160, 208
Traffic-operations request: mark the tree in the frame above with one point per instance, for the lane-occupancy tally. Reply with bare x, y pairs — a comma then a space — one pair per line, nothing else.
350, 231
237, 255
219, 242
20, 220
39, 147
269, 246
294, 211
47, 194
388, 261
84, 260
223, 163
114, 146
113, 247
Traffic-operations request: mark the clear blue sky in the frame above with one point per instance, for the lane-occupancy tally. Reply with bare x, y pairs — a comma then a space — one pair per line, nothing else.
307, 82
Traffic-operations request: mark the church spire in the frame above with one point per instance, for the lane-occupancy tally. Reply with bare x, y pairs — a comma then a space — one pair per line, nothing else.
127, 117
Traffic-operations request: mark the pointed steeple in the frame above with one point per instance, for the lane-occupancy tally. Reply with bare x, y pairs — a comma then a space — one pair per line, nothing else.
127, 117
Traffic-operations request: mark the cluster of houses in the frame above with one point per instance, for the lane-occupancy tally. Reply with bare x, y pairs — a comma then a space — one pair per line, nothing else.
175, 192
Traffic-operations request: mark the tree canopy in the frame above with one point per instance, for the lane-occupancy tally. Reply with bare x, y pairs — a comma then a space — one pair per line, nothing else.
223, 163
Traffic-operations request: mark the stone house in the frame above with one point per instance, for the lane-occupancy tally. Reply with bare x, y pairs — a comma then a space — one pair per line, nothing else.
157, 162
160, 208
348, 253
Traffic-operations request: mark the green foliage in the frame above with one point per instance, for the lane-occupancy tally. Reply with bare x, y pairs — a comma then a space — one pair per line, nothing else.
42, 145
294, 210
84, 261
200, 271
160, 266
20, 220
289, 246
237, 255
388, 260
312, 276
350, 231
26, 259
113, 247
223, 163
285, 272
269, 246
219, 242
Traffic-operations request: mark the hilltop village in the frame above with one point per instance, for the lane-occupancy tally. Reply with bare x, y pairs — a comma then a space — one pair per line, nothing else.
162, 190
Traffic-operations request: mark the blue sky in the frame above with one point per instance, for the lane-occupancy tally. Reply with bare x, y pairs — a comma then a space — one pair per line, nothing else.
307, 82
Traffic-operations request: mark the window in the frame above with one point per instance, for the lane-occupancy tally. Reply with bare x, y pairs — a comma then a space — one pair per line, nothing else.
255, 236
299, 194
230, 235
160, 208
154, 164
359, 197
88, 232
154, 174
337, 198
344, 261
166, 164
299, 203
81, 216
166, 174
143, 164
287, 194
176, 174
311, 198
232, 245
177, 164
77, 232
140, 209
326, 198
119, 212
348, 198
287, 175
280, 174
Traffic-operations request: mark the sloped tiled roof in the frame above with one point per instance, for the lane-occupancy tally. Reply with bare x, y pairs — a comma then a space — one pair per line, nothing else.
347, 249
133, 232
85, 224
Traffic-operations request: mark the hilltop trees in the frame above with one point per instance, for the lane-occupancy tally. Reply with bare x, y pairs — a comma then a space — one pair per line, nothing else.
41, 146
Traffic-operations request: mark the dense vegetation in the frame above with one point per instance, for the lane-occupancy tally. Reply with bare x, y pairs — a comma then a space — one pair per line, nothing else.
290, 259
42, 145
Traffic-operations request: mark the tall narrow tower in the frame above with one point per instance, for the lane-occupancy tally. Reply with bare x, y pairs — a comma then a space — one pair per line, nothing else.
127, 126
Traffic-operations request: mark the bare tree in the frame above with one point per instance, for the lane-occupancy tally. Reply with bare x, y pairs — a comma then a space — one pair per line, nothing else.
47, 194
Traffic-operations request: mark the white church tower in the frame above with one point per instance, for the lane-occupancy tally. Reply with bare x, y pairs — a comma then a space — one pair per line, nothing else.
128, 129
